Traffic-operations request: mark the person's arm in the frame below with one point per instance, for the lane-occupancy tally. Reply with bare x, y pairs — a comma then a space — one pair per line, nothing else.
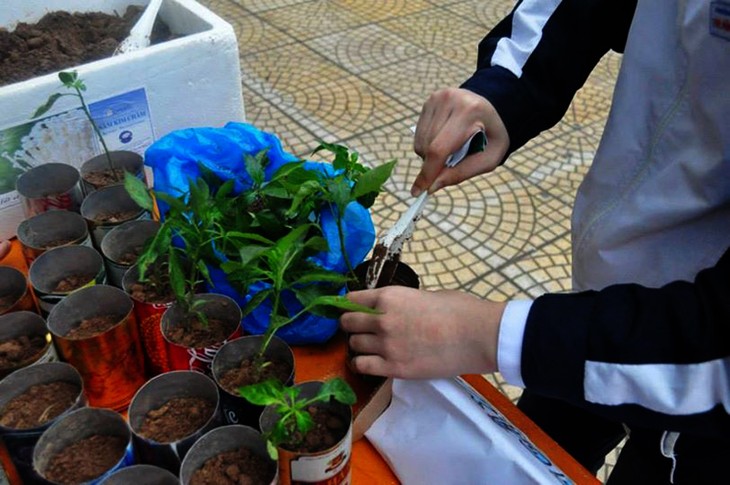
658, 357
529, 68
534, 61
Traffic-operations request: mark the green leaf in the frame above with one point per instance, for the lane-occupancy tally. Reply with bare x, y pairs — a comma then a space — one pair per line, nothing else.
321, 276
338, 389
304, 422
255, 301
273, 452
340, 193
43, 109
176, 204
68, 77
286, 170
263, 393
138, 191
306, 189
177, 276
255, 165
373, 180
339, 302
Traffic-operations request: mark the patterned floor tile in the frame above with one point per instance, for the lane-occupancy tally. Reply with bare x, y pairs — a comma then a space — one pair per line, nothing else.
265, 5
378, 10
313, 19
486, 14
440, 32
331, 102
413, 80
265, 116
366, 48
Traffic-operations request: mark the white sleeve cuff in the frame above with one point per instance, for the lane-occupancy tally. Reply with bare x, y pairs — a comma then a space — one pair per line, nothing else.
509, 341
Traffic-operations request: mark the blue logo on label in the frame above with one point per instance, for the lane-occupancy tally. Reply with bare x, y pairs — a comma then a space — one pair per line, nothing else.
125, 136
720, 19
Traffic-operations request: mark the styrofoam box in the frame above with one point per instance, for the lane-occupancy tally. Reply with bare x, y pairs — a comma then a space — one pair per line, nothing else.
190, 81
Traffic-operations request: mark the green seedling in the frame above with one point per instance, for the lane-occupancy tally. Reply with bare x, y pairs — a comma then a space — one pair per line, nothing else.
72, 81
354, 182
183, 244
294, 421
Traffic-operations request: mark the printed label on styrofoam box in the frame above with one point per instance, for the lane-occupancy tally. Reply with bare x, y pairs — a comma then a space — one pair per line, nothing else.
68, 137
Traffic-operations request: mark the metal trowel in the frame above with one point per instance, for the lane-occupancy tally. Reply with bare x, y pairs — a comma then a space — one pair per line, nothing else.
387, 251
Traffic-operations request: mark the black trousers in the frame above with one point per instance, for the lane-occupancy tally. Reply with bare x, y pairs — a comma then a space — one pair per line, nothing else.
589, 438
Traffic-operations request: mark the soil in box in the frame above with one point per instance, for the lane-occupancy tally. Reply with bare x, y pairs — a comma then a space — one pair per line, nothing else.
233, 467
15, 351
61, 40
86, 459
176, 419
38, 405
93, 326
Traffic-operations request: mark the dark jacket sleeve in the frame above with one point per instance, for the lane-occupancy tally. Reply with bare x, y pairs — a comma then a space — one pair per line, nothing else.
655, 357
572, 40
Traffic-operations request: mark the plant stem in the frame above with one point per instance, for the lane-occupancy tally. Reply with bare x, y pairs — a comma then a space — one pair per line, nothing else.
341, 237
97, 131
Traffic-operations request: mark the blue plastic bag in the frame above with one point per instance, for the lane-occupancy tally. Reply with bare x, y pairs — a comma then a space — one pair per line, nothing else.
177, 157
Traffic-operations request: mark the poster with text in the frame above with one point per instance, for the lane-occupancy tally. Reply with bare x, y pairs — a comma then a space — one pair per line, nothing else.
68, 137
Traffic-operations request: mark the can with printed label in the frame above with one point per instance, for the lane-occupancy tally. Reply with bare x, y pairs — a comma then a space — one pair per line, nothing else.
329, 466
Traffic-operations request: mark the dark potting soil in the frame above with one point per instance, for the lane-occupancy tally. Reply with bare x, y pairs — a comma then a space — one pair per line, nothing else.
72, 282
156, 289
93, 326
246, 374
235, 467
131, 256
105, 178
196, 334
85, 459
39, 404
17, 350
329, 428
118, 216
62, 40
176, 419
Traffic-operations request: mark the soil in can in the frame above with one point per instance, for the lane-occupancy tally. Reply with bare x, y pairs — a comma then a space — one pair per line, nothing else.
246, 373
196, 334
38, 405
234, 467
90, 327
86, 459
329, 428
115, 216
16, 350
177, 418
72, 282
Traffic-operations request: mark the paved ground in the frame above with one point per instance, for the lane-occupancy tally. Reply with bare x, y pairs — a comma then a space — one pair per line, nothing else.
357, 73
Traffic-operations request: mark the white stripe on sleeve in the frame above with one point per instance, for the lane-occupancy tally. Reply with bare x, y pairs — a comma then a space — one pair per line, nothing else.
672, 389
528, 21
509, 341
